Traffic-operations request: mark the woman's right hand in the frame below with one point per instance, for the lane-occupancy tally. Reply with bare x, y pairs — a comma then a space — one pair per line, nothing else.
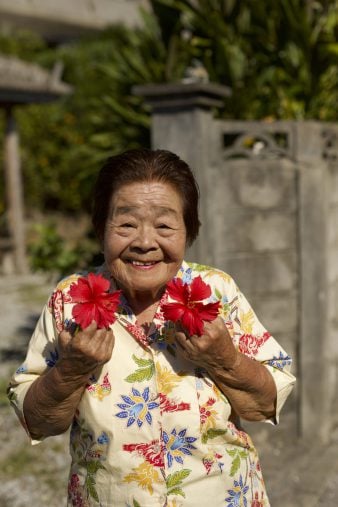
83, 352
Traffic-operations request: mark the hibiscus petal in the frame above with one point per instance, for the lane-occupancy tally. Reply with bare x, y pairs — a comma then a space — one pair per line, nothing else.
83, 314
192, 322
98, 284
103, 317
199, 290
209, 311
178, 291
173, 311
79, 291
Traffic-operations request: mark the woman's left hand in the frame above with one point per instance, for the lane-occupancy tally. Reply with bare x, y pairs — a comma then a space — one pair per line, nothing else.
246, 383
211, 350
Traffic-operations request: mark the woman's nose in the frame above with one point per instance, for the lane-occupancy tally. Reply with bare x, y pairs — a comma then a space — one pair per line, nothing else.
145, 239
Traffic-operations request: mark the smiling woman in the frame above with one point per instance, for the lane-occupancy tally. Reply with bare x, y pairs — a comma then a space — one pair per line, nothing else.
144, 242
156, 379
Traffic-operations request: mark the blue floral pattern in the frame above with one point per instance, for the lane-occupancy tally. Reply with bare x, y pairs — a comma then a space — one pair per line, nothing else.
177, 445
136, 407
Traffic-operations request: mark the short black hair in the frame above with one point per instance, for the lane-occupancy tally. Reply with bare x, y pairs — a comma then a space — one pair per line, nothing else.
139, 165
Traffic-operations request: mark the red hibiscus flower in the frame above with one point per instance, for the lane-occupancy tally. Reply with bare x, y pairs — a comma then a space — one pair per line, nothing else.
93, 301
188, 308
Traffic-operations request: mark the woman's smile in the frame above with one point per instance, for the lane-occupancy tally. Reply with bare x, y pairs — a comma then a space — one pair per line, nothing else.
143, 266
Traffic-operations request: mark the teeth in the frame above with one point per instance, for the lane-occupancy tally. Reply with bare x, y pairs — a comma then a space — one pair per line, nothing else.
139, 263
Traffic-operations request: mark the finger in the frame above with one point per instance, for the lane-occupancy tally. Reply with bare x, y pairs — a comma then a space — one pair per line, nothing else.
104, 340
108, 343
181, 338
64, 338
90, 330
184, 343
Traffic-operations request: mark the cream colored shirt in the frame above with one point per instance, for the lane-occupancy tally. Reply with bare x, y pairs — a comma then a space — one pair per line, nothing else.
152, 429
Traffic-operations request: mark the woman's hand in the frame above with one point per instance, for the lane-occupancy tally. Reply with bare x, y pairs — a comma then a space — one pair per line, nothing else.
52, 399
83, 352
246, 383
211, 350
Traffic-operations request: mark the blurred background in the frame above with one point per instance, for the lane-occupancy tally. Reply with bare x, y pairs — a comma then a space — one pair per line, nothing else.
247, 92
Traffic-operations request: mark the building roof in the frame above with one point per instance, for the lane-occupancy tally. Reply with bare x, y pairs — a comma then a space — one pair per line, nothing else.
62, 20
23, 82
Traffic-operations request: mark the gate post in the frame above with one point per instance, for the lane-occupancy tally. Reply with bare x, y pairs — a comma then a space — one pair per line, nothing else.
316, 361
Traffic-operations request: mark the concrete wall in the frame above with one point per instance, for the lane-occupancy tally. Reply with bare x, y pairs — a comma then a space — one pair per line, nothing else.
254, 211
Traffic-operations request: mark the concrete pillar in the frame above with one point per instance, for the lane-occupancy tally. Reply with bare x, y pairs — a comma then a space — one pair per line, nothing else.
315, 363
182, 122
14, 193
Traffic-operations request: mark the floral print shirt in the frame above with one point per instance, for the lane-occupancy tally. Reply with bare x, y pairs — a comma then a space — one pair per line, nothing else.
152, 429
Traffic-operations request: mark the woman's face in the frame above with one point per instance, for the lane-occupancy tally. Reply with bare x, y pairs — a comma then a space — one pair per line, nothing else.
145, 237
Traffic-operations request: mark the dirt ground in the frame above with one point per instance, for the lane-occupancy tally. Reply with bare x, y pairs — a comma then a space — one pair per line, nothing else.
297, 473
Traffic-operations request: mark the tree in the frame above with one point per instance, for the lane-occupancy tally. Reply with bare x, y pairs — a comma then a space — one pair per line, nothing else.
279, 59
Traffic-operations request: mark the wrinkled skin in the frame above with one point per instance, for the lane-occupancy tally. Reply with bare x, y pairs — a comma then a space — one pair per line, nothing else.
247, 384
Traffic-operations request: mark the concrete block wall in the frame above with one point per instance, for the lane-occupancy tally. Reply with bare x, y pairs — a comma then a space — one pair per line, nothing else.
253, 214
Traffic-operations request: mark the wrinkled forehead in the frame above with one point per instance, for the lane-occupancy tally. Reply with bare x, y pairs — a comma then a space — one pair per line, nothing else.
158, 211
161, 197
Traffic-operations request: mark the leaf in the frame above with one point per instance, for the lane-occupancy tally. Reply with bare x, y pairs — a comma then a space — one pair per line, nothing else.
218, 294
90, 484
176, 491
177, 477
135, 503
142, 362
236, 463
140, 375
94, 466
145, 372
212, 433
232, 452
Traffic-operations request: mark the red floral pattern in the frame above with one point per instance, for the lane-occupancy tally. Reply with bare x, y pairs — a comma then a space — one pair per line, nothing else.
250, 345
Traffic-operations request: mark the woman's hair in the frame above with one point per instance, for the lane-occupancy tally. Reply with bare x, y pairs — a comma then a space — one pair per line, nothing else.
143, 165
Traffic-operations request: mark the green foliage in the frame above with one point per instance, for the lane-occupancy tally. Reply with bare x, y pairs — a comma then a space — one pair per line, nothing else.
48, 251
277, 65
22, 44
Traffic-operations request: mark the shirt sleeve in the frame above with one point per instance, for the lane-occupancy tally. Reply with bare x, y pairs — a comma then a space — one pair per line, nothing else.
257, 343
42, 354
252, 339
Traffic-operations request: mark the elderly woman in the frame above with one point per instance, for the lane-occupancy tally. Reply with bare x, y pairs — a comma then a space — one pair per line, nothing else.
154, 395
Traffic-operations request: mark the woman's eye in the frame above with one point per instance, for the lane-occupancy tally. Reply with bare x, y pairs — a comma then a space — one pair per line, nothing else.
127, 224
163, 226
